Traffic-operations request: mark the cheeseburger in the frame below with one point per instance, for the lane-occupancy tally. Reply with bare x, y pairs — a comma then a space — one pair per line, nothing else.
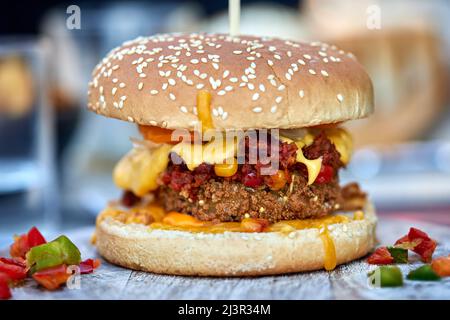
236, 169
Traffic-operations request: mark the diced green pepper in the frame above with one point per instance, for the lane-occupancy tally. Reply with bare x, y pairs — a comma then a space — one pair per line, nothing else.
386, 276
423, 273
57, 252
400, 255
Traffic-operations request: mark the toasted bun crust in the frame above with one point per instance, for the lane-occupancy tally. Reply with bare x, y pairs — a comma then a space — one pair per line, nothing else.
232, 253
254, 82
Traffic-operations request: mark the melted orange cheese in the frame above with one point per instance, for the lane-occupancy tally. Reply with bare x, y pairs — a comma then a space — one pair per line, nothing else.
204, 110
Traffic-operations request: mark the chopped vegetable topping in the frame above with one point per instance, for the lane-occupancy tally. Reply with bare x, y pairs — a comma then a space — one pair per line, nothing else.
400, 255
419, 242
441, 266
52, 278
47, 262
59, 251
25, 242
89, 265
13, 271
381, 256
423, 273
5, 293
386, 276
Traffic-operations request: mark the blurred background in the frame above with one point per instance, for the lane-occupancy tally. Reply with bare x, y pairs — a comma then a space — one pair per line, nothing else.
56, 158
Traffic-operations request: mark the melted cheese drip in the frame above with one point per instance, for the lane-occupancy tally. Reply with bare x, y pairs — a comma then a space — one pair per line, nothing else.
204, 110
213, 152
329, 250
139, 169
342, 140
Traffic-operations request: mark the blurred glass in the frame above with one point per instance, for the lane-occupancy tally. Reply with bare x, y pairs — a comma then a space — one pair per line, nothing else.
28, 193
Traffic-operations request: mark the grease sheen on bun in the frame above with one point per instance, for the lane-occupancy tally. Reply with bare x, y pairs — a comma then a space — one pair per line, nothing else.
255, 82
232, 253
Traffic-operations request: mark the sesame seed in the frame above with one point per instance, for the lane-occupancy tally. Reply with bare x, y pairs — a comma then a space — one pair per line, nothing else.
172, 82
200, 86
225, 74
130, 119
307, 56
281, 87
221, 92
340, 97
324, 73
237, 51
262, 87
194, 61
172, 96
277, 56
114, 90
270, 62
257, 109
183, 109
215, 112
278, 99
224, 115
153, 92
140, 85
255, 96
311, 71
273, 109
301, 93
325, 60
215, 66
228, 88
234, 80
164, 86
251, 86
301, 62
288, 76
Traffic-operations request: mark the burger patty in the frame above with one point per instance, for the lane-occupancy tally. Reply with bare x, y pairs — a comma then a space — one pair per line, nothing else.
232, 201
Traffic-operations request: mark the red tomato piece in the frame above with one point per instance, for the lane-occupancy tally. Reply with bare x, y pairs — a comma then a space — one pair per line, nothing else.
420, 243
381, 256
14, 272
441, 266
20, 247
25, 242
14, 261
325, 175
89, 265
5, 292
35, 238
425, 249
52, 278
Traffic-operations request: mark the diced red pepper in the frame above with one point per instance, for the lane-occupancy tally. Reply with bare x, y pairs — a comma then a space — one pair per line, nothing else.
5, 292
419, 242
325, 175
52, 278
15, 261
20, 247
89, 265
441, 266
13, 271
381, 256
35, 238
25, 242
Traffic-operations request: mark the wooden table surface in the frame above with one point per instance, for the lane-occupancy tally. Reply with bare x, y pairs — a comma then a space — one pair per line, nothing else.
346, 282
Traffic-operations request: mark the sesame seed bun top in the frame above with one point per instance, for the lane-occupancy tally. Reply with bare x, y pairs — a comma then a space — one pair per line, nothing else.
255, 82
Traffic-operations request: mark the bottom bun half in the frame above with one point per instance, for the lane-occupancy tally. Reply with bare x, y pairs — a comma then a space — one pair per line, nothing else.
231, 253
